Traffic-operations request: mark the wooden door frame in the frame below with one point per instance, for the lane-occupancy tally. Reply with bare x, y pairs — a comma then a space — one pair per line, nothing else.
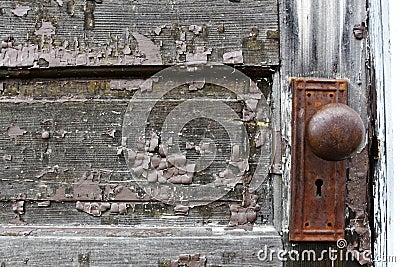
384, 54
379, 52
325, 39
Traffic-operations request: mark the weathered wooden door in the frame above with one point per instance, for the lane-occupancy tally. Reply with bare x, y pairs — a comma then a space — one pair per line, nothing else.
158, 133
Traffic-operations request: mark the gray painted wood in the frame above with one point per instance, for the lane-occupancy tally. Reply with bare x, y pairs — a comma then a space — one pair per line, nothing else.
134, 247
317, 40
48, 178
67, 197
78, 32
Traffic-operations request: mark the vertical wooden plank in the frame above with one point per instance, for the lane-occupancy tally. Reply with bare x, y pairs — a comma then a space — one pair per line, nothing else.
380, 34
320, 39
393, 141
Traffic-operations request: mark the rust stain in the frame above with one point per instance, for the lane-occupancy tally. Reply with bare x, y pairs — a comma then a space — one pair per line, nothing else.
318, 185
335, 132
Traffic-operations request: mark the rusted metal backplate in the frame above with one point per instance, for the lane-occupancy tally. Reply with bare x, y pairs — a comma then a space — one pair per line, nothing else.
318, 185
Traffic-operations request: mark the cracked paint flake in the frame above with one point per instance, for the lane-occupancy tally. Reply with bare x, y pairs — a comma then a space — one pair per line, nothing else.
47, 29
48, 55
97, 208
14, 131
234, 57
18, 209
129, 85
158, 29
60, 2
190, 260
21, 11
149, 49
196, 29
199, 56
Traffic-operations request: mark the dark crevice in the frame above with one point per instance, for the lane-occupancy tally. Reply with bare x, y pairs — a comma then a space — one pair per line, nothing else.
101, 72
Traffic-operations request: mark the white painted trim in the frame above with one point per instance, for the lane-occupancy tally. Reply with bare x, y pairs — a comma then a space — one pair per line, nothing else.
379, 48
393, 135
385, 51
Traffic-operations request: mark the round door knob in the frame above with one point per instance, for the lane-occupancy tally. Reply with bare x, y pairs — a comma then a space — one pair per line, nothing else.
335, 132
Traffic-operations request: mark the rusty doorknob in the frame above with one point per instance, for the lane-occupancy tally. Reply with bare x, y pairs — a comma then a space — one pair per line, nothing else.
335, 132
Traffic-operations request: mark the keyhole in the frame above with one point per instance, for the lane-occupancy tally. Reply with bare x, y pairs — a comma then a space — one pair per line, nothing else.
319, 184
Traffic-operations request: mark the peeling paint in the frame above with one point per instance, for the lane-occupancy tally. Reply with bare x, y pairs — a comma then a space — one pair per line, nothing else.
158, 29
14, 131
87, 187
45, 203
46, 54
160, 167
251, 42
18, 209
45, 135
53, 169
110, 133
18, 206
199, 56
221, 28
60, 2
196, 29
92, 208
190, 260
152, 53
244, 214
21, 11
7, 157
181, 210
97, 208
260, 139
273, 34
234, 57
47, 29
